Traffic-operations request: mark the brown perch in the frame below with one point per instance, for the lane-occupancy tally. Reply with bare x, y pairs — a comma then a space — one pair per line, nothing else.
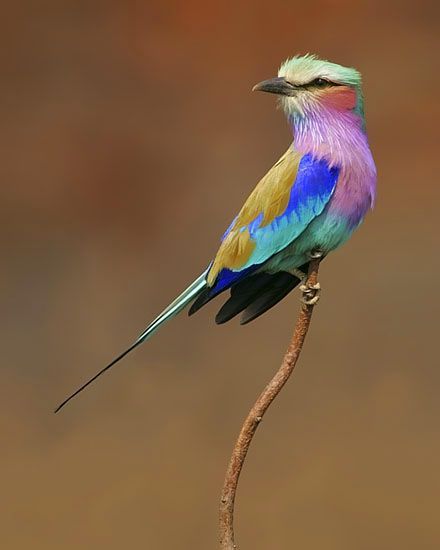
310, 291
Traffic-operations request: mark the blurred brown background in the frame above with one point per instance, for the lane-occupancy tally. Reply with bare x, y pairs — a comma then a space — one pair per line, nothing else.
129, 140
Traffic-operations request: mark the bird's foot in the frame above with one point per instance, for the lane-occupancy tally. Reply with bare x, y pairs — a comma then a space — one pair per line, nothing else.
310, 293
316, 254
299, 274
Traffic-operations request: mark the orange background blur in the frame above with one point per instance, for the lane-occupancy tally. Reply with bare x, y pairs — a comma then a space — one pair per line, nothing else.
130, 139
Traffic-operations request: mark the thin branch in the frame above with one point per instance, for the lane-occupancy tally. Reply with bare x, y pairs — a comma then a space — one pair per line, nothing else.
310, 296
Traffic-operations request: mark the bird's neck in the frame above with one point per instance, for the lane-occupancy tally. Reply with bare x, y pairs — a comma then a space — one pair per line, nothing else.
337, 136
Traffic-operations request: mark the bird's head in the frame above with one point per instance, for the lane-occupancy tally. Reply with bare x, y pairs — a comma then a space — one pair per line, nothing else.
307, 84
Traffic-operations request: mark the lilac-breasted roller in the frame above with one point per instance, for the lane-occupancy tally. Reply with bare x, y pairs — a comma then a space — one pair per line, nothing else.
309, 202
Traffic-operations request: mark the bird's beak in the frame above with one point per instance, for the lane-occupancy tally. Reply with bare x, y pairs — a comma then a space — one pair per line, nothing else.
278, 85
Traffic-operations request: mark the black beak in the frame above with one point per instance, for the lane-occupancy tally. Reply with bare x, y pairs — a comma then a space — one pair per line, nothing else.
278, 85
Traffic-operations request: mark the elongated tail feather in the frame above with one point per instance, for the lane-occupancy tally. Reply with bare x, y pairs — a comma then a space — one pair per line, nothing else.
168, 313
187, 296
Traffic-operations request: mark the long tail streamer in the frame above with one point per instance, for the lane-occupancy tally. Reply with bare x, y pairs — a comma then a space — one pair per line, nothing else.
168, 313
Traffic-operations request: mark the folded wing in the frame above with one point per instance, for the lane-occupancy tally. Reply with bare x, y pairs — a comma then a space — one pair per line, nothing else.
285, 201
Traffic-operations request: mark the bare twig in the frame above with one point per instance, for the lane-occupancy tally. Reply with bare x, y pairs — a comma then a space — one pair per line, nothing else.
310, 296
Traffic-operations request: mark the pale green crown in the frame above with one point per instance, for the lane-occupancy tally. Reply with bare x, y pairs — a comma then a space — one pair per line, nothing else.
303, 69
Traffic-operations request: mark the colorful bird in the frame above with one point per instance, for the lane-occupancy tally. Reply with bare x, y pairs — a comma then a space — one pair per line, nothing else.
309, 203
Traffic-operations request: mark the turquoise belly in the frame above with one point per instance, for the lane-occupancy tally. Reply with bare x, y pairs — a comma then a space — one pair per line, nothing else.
326, 233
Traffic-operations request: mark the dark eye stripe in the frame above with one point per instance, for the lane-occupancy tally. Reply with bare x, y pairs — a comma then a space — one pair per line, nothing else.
316, 83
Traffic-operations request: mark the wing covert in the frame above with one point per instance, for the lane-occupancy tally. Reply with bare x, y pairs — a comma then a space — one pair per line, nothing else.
294, 191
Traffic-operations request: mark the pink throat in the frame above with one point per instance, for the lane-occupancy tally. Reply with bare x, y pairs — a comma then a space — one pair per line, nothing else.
337, 136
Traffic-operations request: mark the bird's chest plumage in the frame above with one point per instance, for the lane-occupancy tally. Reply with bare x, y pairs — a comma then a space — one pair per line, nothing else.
355, 191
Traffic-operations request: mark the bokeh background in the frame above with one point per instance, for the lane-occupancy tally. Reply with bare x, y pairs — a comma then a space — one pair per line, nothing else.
129, 140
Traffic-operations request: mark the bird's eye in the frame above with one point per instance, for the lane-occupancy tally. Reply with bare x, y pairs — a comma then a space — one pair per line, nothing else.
320, 82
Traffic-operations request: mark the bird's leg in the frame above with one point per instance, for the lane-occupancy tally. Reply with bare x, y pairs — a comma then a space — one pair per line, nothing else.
311, 292
298, 274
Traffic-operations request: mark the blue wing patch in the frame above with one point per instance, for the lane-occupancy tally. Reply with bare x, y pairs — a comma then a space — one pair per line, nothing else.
310, 192
312, 189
